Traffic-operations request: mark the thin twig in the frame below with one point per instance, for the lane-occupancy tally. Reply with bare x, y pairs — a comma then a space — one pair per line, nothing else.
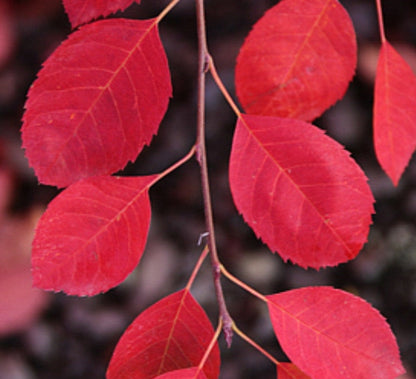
203, 65
380, 21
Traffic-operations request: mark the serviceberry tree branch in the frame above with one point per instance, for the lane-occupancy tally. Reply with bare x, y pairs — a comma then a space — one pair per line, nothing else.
203, 65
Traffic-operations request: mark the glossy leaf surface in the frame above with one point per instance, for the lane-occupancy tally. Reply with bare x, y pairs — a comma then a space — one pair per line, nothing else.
92, 235
290, 371
97, 101
83, 11
299, 190
394, 112
331, 334
298, 60
186, 373
170, 335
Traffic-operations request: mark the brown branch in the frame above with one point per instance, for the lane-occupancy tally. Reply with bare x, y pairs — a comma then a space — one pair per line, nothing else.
203, 66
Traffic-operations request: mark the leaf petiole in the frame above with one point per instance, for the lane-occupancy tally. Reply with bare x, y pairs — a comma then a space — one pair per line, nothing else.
246, 338
173, 167
166, 10
222, 88
197, 267
242, 284
211, 345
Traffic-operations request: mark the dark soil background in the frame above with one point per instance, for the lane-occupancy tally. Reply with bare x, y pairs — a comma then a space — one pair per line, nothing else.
74, 337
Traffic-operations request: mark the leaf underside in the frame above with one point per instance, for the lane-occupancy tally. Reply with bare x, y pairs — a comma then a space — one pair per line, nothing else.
99, 98
299, 190
331, 334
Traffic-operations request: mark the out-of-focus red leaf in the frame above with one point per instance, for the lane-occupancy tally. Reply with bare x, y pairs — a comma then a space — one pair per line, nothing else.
394, 112
37, 11
92, 235
20, 303
299, 190
290, 371
187, 373
98, 100
83, 11
170, 335
6, 188
7, 35
298, 59
331, 334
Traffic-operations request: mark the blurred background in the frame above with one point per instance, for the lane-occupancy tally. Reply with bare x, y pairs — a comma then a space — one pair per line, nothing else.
46, 335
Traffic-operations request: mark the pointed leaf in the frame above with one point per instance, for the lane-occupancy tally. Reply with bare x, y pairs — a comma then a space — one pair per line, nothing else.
172, 334
83, 11
290, 371
394, 112
92, 235
299, 190
97, 101
298, 59
331, 334
187, 373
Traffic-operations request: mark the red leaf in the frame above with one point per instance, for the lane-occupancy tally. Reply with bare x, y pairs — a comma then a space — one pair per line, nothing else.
83, 11
7, 32
331, 334
6, 189
298, 59
290, 371
20, 303
97, 101
172, 334
394, 112
92, 235
187, 373
299, 190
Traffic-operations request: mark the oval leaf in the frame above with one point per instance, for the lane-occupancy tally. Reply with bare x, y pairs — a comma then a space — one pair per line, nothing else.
83, 11
187, 373
97, 101
331, 334
298, 60
92, 235
394, 112
290, 371
172, 334
299, 190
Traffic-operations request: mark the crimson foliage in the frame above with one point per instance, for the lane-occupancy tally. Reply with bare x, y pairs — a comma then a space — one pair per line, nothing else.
100, 98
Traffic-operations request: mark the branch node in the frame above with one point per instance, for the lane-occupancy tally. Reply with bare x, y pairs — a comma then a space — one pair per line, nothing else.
201, 237
228, 331
207, 63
